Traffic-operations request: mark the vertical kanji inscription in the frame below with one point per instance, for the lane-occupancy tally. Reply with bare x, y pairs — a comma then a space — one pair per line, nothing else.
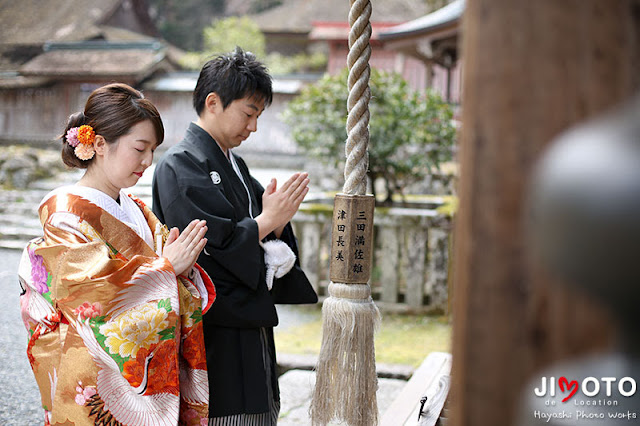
352, 238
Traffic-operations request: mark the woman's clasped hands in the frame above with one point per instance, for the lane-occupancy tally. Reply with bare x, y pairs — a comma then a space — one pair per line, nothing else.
182, 249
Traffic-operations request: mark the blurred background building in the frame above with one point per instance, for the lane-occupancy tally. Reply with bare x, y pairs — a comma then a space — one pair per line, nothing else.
54, 53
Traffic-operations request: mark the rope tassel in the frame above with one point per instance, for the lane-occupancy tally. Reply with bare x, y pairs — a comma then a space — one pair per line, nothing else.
346, 380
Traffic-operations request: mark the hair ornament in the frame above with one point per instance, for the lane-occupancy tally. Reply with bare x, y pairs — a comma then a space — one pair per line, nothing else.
82, 138
86, 135
72, 136
84, 152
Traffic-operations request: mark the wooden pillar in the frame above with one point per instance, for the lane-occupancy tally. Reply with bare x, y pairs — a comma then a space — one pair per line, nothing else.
531, 69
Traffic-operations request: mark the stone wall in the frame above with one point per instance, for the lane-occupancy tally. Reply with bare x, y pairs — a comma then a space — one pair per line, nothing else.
22, 165
410, 269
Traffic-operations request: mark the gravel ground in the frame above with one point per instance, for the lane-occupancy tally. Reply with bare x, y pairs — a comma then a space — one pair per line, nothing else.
19, 395
23, 408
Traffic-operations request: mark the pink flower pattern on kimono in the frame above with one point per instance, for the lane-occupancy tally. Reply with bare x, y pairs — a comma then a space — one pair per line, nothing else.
38, 272
88, 310
84, 394
191, 417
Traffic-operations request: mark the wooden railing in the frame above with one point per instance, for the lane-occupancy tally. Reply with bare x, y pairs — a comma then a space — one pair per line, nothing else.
410, 268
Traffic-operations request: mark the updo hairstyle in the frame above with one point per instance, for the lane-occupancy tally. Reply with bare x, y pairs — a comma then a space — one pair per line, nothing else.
112, 111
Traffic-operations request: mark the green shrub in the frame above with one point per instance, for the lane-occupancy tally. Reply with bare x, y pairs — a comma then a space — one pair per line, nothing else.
223, 35
411, 133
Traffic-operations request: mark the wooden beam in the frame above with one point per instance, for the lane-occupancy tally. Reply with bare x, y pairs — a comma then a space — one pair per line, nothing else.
426, 381
532, 69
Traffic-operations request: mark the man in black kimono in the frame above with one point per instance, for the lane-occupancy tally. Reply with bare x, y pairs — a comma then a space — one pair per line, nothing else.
201, 178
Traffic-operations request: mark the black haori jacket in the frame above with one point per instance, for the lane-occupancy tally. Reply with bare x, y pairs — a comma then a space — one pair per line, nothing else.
195, 180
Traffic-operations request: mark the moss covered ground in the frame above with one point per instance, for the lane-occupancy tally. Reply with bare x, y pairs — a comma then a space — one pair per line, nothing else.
402, 339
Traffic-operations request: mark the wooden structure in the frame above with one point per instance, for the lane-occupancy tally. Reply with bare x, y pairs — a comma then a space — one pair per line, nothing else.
172, 94
288, 28
334, 34
54, 53
431, 380
434, 40
322, 25
532, 69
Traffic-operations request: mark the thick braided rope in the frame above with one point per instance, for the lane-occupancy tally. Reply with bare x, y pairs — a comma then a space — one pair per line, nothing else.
346, 380
357, 163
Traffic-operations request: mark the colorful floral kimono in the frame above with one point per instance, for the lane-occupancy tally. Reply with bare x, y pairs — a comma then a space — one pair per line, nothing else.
115, 338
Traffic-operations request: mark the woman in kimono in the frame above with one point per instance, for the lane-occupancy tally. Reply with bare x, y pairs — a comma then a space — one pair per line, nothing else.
112, 300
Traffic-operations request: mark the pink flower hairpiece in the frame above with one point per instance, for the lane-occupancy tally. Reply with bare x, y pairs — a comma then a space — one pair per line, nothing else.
72, 136
82, 138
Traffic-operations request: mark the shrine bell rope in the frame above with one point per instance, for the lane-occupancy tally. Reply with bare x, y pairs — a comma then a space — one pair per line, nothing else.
346, 380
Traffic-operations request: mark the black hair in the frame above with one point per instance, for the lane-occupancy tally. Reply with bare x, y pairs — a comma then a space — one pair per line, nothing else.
112, 111
233, 76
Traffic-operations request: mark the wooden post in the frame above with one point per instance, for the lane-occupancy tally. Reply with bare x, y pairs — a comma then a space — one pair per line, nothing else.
532, 69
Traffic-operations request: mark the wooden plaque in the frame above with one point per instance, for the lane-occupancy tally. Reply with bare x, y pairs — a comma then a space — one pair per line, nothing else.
352, 239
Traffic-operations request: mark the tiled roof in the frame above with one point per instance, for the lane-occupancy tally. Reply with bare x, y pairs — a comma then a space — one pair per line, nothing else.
298, 15
95, 59
44, 40
185, 81
28, 22
446, 15
15, 81
340, 30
